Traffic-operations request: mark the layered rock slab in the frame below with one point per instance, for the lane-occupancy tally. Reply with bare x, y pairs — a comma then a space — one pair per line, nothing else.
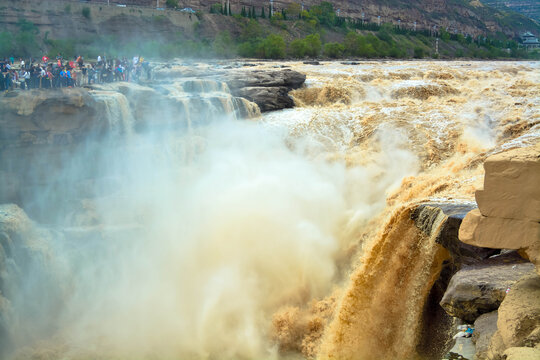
511, 188
508, 214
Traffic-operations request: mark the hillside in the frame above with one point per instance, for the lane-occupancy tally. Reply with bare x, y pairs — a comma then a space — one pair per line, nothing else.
91, 27
529, 8
462, 16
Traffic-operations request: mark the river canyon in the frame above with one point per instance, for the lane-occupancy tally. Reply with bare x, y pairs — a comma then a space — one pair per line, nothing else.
239, 210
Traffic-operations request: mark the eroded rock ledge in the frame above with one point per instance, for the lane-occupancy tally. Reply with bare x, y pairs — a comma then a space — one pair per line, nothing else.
508, 214
501, 294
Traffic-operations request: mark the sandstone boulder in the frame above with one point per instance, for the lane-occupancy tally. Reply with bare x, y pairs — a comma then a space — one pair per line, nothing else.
501, 233
519, 315
508, 216
480, 288
484, 329
518, 324
511, 188
522, 353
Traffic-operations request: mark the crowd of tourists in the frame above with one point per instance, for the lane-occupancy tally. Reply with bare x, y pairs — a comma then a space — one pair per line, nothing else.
46, 73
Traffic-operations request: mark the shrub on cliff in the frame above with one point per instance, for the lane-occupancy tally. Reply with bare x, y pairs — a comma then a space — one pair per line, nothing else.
314, 45
171, 4
223, 45
334, 50
6, 43
86, 12
298, 48
273, 47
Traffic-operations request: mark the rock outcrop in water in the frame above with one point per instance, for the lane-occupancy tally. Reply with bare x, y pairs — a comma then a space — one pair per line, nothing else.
269, 89
500, 294
480, 288
508, 214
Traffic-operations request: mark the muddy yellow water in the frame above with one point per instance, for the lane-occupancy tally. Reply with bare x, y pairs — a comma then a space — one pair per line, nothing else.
289, 236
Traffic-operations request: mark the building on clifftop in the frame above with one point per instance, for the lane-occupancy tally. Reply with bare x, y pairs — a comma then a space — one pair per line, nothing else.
529, 41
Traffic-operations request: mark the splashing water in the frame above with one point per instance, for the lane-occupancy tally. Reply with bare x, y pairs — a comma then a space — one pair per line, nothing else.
236, 240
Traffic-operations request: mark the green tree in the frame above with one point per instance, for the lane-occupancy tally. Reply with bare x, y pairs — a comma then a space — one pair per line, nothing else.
86, 12
293, 9
171, 4
251, 31
216, 8
324, 12
262, 13
26, 44
314, 45
298, 48
273, 47
223, 45
445, 35
6, 44
243, 12
27, 26
418, 52
334, 49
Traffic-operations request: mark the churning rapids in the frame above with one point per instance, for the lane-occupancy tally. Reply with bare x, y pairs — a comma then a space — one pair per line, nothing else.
287, 235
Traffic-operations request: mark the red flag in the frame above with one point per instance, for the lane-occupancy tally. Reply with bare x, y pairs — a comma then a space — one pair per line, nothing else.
45, 58
71, 64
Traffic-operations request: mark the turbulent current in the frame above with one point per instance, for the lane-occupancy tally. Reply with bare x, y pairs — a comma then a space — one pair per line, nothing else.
288, 235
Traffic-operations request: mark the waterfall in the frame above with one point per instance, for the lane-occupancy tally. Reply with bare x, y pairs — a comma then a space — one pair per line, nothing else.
116, 111
204, 99
379, 316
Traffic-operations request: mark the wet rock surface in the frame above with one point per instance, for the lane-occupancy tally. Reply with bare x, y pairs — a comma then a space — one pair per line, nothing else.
480, 288
461, 253
269, 89
444, 219
268, 98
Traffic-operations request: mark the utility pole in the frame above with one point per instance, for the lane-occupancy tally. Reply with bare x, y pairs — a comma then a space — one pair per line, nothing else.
436, 45
302, 6
415, 26
271, 8
363, 18
379, 20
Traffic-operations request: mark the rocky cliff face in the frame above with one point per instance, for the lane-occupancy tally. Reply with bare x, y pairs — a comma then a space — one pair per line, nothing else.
508, 214
500, 294
140, 19
464, 16
40, 129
